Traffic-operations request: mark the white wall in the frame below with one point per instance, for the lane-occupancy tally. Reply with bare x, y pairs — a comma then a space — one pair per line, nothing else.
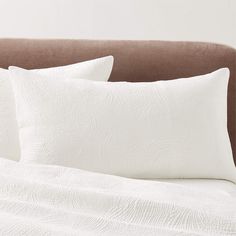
204, 20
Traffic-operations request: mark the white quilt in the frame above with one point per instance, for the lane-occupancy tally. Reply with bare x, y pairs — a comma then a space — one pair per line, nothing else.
52, 200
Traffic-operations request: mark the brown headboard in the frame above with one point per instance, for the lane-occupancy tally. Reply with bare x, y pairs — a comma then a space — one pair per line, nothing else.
134, 60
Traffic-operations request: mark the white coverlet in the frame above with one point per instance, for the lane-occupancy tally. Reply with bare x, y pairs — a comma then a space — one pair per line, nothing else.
52, 200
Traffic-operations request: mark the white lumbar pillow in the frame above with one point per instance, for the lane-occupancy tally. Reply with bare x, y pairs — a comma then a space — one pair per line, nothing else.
98, 69
164, 129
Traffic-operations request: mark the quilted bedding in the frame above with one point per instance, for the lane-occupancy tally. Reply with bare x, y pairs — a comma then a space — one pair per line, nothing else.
53, 200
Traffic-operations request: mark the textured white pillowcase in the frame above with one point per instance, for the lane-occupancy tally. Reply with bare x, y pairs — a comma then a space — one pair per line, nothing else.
164, 129
98, 69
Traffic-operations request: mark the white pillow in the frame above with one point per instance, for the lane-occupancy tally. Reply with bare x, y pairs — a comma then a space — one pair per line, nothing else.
98, 69
165, 129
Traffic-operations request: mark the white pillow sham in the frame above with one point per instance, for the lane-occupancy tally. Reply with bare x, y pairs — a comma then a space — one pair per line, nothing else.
98, 69
164, 129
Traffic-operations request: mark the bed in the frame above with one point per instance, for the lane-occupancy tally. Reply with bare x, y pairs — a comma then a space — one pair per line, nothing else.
56, 200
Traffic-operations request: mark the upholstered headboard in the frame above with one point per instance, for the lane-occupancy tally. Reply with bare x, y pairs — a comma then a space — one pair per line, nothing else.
134, 60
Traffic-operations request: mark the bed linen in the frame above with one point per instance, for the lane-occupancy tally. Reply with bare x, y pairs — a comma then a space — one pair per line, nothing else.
53, 200
98, 69
165, 129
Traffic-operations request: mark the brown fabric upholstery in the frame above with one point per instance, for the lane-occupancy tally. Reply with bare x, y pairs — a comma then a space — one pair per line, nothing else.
134, 60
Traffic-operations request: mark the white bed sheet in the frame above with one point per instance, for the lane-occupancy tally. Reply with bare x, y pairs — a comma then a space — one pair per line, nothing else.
222, 186
53, 200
